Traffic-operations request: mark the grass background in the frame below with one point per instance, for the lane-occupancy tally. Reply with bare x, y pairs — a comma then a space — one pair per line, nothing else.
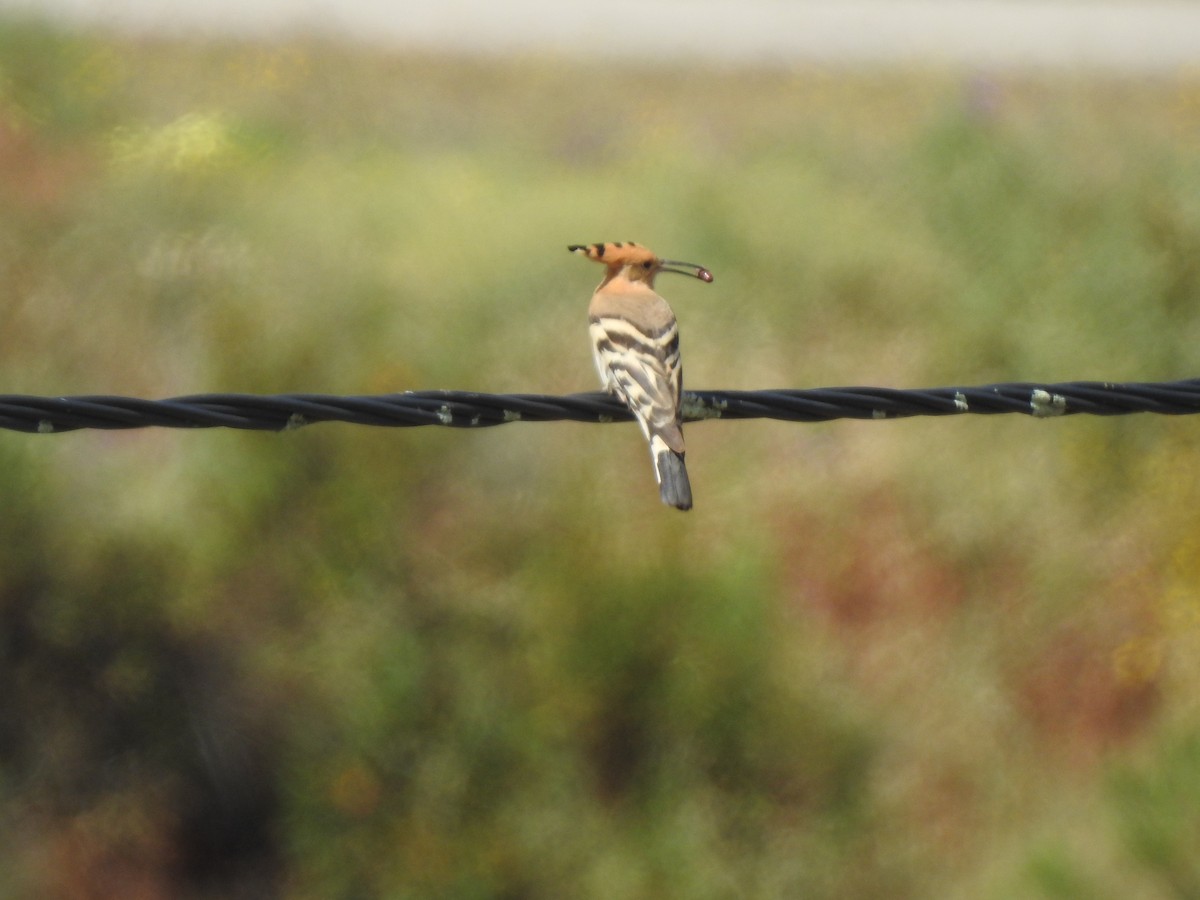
906, 659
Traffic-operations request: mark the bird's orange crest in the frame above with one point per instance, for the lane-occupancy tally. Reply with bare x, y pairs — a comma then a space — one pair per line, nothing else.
616, 253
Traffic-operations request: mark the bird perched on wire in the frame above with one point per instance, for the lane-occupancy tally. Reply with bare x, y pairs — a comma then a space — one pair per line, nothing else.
635, 340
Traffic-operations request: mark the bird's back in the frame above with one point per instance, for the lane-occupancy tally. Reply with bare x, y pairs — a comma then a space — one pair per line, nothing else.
636, 342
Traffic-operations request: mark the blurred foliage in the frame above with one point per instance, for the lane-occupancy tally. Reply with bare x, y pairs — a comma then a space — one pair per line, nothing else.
908, 659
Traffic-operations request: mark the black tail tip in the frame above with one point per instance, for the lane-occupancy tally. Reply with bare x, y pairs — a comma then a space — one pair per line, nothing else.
683, 504
673, 485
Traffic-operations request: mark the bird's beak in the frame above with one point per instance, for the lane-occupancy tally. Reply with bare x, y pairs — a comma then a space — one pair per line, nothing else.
684, 268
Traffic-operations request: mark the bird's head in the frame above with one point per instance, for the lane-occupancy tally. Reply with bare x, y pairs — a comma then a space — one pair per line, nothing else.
636, 263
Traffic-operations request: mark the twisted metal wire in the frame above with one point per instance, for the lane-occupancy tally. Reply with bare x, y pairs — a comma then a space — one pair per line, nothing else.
466, 409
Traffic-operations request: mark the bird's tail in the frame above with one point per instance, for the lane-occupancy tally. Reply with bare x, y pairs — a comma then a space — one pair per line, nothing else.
673, 484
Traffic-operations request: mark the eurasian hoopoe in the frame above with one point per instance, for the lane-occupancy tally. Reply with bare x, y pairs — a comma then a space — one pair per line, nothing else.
636, 347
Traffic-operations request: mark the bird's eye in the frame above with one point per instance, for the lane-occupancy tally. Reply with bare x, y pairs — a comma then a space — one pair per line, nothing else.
647, 264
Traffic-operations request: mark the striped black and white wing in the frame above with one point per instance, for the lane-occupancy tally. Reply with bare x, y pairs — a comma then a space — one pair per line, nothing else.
642, 366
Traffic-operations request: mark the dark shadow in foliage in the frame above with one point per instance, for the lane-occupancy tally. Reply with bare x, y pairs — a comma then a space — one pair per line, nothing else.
692, 687
132, 749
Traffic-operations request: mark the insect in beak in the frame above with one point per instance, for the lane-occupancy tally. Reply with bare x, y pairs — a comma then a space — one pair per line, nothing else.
685, 268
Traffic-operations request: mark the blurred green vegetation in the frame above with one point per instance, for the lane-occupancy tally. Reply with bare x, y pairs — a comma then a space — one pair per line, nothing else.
908, 659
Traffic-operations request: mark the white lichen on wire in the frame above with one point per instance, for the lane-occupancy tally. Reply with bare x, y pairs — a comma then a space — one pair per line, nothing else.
1045, 404
695, 408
